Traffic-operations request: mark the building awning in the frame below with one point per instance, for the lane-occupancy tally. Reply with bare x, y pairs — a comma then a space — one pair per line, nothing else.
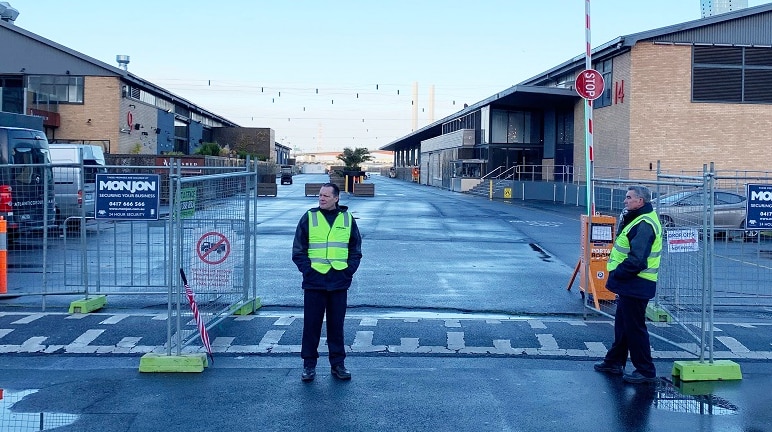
519, 97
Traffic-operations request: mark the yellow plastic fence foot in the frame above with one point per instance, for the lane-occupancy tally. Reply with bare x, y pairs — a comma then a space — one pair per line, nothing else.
719, 370
152, 362
658, 314
249, 307
88, 305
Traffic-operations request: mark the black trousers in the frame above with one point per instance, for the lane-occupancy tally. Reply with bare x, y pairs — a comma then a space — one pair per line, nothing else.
315, 304
630, 335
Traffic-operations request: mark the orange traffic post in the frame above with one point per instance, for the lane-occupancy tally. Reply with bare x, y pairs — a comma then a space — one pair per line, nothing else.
3, 256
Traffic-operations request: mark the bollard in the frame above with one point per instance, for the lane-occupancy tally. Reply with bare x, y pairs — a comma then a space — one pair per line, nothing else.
3, 256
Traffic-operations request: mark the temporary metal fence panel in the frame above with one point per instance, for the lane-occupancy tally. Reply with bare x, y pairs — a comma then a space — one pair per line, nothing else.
680, 305
33, 243
742, 263
212, 217
116, 256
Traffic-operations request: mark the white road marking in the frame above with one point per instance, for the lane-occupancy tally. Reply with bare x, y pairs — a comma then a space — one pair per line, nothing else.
733, 344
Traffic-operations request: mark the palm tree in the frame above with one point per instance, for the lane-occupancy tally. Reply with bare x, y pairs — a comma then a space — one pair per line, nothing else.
354, 158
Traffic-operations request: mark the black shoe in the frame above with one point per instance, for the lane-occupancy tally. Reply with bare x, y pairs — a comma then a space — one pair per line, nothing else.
609, 368
340, 372
637, 378
308, 374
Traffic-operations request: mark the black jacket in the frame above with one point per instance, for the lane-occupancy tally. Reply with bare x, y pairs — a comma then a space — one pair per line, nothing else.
624, 279
334, 279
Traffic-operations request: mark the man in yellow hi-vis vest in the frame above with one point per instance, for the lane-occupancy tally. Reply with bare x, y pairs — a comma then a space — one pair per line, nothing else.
633, 266
327, 250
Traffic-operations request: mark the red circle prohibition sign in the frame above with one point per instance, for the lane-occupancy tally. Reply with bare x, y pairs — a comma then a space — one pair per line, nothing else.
213, 251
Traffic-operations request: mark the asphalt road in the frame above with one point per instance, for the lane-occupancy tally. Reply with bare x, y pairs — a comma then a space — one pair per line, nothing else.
430, 249
460, 320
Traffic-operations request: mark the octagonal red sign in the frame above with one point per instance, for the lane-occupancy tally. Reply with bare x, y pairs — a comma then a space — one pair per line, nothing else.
589, 84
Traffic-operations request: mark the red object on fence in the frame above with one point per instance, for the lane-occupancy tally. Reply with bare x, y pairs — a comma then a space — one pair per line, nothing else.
194, 307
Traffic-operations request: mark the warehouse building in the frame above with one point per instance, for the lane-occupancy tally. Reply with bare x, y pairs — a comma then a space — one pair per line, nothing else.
84, 100
685, 95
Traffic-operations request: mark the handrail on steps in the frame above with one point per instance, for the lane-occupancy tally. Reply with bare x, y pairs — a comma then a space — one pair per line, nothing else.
498, 174
490, 174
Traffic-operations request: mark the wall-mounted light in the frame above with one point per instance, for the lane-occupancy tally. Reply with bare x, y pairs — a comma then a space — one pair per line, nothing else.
88, 121
132, 106
157, 130
23, 69
137, 126
67, 72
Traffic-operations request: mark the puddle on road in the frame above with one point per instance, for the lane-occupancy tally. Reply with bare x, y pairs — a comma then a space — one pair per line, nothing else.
691, 397
24, 422
542, 254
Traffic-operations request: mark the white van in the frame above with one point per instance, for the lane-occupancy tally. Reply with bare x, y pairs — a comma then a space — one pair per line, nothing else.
75, 188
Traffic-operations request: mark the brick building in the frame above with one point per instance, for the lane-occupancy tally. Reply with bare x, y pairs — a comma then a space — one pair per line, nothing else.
84, 100
685, 95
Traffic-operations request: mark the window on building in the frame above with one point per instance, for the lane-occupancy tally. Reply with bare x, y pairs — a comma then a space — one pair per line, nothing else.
469, 121
58, 88
146, 97
605, 69
12, 95
510, 126
731, 74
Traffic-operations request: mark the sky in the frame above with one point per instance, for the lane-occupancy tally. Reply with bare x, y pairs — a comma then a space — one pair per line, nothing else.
330, 74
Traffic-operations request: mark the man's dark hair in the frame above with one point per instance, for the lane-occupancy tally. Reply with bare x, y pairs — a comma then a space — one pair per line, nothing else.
335, 188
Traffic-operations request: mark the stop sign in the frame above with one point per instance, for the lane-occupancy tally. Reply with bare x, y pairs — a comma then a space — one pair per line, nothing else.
589, 84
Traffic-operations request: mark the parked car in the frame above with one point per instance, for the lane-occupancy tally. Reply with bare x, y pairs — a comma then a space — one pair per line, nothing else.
687, 208
75, 187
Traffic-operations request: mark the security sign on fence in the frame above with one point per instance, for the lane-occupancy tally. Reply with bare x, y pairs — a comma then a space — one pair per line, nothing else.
127, 196
759, 214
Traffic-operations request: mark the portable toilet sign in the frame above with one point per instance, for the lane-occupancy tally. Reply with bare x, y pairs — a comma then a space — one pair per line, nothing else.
599, 235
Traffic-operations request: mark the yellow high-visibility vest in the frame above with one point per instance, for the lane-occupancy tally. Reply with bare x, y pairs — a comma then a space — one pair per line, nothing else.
622, 247
328, 245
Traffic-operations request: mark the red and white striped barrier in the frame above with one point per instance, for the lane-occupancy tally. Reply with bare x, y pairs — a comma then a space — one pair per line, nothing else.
200, 324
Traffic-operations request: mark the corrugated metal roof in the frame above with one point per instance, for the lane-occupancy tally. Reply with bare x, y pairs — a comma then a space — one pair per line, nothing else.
755, 30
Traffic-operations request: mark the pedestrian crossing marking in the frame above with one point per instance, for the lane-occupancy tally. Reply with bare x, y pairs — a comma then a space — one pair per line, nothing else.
277, 342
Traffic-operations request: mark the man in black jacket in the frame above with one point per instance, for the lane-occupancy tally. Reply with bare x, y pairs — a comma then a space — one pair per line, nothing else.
633, 267
327, 250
